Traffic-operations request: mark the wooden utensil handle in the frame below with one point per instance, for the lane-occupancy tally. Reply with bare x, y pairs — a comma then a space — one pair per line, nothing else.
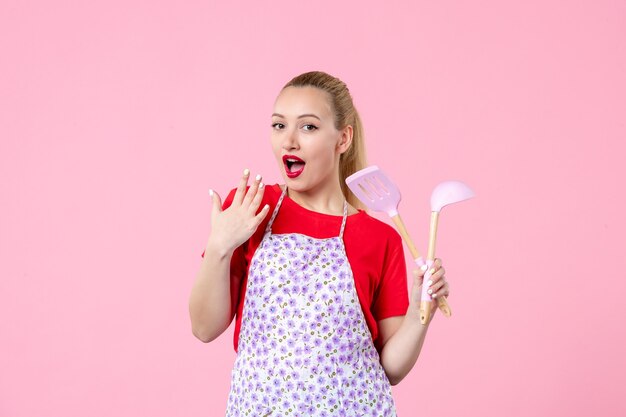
442, 302
432, 241
397, 220
432, 237
405, 235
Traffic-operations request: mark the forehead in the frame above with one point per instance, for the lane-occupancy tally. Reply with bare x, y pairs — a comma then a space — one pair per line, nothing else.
294, 101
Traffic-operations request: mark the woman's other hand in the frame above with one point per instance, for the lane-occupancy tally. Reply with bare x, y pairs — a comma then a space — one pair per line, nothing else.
437, 285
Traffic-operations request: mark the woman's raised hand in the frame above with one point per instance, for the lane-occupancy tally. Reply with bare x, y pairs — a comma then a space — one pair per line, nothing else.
233, 226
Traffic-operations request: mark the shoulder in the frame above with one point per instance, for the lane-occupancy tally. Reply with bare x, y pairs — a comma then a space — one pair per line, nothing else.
272, 194
372, 244
366, 226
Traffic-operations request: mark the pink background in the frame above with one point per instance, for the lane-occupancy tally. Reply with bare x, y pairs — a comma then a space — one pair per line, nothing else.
116, 117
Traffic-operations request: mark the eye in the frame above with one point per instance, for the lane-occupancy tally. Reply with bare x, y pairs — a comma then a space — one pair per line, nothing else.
309, 128
278, 125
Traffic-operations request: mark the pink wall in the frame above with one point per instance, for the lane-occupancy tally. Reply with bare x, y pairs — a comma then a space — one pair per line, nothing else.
116, 117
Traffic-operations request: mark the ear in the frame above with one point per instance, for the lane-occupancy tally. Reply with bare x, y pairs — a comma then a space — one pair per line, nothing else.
345, 140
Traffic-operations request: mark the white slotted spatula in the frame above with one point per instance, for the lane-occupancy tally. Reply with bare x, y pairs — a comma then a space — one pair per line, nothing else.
378, 193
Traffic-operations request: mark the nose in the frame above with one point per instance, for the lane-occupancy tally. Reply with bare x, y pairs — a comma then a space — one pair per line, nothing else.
290, 140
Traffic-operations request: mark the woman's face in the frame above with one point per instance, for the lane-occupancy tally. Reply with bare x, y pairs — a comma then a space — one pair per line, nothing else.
304, 139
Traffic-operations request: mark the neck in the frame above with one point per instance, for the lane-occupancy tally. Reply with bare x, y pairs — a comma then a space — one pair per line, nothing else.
326, 199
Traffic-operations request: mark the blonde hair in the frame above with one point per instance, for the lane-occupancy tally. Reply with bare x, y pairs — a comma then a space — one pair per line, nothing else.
346, 114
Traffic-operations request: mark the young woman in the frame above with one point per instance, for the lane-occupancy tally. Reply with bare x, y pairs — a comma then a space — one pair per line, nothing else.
325, 324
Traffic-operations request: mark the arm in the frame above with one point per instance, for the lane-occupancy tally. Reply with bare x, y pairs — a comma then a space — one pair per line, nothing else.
401, 338
215, 292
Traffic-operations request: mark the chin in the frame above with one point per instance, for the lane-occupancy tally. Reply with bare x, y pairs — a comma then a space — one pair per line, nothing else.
297, 185
293, 185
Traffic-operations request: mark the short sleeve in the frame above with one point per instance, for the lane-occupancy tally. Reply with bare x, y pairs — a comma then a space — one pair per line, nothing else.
392, 298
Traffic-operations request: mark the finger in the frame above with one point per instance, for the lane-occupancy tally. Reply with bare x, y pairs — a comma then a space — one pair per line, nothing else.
241, 188
216, 202
258, 198
422, 270
437, 264
435, 287
259, 217
252, 191
443, 291
436, 276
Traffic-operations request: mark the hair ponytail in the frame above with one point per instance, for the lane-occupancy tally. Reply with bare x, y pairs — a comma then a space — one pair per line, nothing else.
354, 159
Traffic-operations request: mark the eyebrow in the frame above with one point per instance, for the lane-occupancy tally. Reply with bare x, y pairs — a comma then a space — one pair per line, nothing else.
299, 117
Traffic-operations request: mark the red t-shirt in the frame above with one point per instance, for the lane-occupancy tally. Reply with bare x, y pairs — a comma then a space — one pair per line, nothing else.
374, 251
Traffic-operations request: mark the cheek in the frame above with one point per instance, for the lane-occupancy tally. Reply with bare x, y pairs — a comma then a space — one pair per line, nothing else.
326, 150
323, 158
275, 144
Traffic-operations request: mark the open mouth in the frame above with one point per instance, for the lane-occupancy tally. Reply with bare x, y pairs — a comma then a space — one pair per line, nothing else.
293, 165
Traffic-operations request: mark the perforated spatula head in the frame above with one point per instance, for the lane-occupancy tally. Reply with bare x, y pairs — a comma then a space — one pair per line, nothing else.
375, 190
449, 192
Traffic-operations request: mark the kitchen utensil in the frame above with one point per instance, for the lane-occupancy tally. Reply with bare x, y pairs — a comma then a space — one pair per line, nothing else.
379, 193
445, 193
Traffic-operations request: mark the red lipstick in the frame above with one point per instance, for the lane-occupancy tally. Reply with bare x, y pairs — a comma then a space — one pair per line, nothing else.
293, 165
